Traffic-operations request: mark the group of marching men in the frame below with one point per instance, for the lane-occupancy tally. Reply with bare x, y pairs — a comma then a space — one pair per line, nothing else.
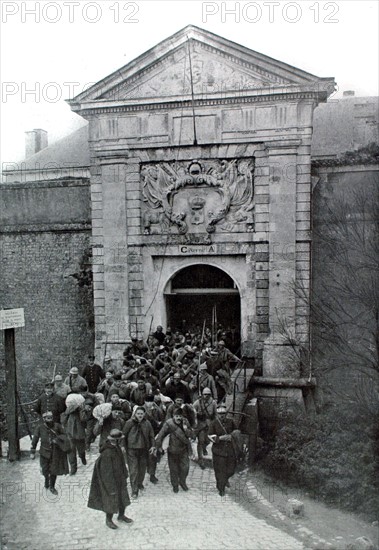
159, 390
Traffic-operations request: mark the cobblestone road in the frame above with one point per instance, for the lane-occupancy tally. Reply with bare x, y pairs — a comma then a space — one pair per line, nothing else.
33, 518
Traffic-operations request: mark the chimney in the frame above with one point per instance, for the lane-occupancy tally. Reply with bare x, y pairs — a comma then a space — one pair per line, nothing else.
35, 141
349, 93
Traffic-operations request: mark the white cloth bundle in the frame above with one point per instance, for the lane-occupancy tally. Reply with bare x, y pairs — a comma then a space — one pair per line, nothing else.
102, 411
74, 400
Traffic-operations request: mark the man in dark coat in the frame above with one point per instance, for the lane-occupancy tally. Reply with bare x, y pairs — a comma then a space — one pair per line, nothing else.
139, 394
93, 374
159, 335
226, 448
109, 491
175, 386
50, 401
139, 442
178, 450
205, 408
53, 460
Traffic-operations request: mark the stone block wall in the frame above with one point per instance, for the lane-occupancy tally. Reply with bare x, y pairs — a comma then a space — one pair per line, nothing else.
46, 269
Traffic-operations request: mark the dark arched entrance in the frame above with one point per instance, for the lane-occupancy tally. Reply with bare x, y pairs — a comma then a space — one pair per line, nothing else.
201, 293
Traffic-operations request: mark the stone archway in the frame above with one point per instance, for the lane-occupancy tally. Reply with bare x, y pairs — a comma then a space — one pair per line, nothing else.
202, 292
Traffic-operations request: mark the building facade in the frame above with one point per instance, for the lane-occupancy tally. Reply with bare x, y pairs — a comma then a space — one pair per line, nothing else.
197, 158
200, 157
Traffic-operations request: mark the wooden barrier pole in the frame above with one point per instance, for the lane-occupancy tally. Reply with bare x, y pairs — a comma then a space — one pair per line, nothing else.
11, 389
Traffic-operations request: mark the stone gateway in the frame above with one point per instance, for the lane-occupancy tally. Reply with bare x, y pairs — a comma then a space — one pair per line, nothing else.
200, 192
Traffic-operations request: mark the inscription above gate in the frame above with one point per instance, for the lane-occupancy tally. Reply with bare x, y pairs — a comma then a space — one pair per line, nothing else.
198, 196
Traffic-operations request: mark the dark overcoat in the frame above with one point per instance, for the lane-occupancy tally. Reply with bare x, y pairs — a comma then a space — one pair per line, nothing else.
49, 448
108, 490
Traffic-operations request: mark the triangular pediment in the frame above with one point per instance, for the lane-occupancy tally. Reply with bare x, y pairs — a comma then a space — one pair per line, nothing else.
212, 71
194, 60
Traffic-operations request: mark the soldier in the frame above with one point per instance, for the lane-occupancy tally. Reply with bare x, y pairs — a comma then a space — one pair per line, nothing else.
179, 448
139, 441
226, 356
50, 401
202, 380
106, 384
93, 374
155, 414
159, 335
138, 394
187, 410
205, 408
226, 448
53, 460
60, 388
75, 381
88, 419
175, 386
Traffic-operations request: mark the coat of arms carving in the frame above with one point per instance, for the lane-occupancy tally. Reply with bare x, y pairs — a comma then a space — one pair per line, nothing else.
198, 196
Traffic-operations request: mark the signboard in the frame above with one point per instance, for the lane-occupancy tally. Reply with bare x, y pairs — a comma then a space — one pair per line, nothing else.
12, 318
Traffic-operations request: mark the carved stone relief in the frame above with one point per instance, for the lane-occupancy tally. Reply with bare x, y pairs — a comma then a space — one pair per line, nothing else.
198, 196
212, 72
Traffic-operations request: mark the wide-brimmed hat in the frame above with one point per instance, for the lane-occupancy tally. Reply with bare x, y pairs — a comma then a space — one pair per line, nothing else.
115, 434
74, 370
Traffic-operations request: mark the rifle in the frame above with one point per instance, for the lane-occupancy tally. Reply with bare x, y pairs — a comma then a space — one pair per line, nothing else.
105, 351
148, 336
201, 349
70, 349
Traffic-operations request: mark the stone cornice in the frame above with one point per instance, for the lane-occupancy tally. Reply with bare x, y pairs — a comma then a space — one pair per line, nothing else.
46, 228
331, 168
49, 184
106, 107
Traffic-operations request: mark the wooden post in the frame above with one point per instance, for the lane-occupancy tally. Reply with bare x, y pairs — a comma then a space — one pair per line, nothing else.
11, 384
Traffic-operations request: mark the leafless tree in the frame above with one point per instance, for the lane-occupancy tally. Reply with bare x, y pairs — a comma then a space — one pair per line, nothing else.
344, 302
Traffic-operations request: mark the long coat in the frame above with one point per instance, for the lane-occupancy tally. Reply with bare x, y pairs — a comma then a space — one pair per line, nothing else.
108, 490
49, 449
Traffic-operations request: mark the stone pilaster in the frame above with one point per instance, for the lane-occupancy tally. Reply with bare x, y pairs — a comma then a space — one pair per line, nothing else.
111, 289
281, 221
